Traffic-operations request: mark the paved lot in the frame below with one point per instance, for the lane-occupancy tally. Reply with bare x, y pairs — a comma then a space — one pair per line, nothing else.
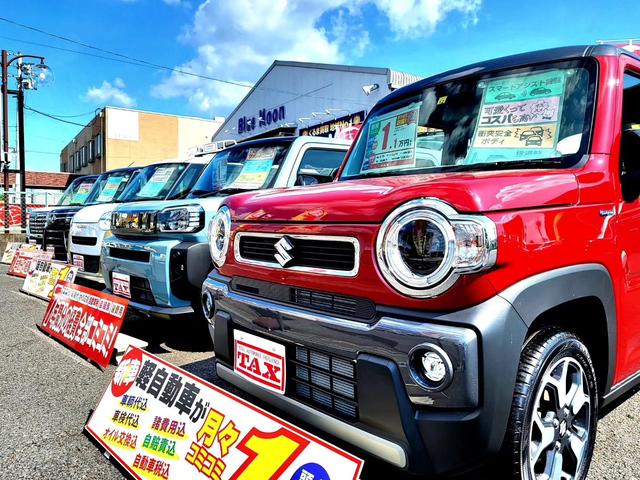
47, 392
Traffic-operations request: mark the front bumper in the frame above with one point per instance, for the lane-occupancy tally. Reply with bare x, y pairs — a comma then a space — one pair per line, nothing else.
166, 275
397, 421
85, 239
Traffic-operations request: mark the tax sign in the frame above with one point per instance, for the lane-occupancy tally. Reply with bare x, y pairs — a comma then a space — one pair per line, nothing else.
160, 423
85, 320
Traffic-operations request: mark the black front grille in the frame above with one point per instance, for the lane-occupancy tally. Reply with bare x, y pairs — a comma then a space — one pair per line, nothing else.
55, 237
37, 222
140, 290
133, 255
91, 263
342, 305
325, 381
337, 255
90, 241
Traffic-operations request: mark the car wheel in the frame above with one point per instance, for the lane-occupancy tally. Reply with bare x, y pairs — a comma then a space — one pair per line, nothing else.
554, 415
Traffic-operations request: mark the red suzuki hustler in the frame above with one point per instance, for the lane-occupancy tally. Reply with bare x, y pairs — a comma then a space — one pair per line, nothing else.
471, 282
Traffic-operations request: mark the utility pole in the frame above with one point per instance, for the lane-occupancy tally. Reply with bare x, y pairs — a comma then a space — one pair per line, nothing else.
28, 78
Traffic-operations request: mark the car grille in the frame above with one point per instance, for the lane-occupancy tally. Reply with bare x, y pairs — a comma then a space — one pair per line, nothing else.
89, 241
91, 263
325, 381
307, 252
133, 223
133, 255
37, 221
340, 305
140, 290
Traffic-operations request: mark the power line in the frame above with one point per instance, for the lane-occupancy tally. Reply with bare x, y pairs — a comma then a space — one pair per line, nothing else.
127, 57
53, 117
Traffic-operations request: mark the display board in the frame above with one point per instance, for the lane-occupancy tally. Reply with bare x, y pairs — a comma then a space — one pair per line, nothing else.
43, 275
85, 320
12, 247
161, 422
22, 261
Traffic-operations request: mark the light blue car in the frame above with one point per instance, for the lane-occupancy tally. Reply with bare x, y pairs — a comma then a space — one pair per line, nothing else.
158, 253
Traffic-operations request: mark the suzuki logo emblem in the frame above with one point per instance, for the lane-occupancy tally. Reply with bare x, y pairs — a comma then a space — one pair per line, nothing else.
283, 246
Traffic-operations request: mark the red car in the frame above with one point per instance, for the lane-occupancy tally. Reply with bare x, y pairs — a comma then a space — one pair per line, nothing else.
437, 314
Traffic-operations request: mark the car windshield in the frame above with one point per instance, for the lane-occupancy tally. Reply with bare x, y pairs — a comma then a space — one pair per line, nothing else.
536, 117
77, 193
241, 168
153, 182
108, 186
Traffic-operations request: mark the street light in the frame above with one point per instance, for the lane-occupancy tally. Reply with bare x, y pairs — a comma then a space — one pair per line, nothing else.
30, 76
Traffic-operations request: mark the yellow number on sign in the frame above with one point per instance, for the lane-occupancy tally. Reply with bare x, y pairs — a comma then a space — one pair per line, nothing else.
270, 454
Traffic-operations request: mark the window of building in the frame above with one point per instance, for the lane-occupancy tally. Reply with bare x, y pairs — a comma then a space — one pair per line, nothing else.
92, 151
98, 141
69, 165
630, 139
77, 161
83, 155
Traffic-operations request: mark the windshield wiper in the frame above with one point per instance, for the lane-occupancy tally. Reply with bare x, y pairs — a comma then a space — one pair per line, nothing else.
503, 165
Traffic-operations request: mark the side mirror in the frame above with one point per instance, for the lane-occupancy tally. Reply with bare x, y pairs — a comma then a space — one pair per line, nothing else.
306, 180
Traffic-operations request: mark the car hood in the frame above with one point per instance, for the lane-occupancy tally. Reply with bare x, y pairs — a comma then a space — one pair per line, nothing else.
92, 213
210, 204
370, 200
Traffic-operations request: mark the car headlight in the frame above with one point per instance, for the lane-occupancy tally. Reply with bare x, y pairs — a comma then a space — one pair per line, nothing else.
105, 222
219, 234
181, 219
424, 245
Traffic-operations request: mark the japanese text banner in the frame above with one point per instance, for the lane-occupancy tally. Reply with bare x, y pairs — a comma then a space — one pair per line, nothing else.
85, 320
160, 422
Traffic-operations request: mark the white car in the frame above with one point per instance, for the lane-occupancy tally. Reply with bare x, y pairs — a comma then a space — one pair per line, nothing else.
171, 179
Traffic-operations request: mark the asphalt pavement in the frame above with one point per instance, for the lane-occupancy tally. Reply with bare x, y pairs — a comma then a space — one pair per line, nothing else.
47, 393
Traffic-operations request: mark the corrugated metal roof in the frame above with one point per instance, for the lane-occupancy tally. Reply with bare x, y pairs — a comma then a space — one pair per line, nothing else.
397, 79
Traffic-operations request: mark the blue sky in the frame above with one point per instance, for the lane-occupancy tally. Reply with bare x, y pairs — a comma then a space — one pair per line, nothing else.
237, 39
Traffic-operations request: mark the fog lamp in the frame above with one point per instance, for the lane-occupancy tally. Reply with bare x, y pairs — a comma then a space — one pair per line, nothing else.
208, 305
431, 367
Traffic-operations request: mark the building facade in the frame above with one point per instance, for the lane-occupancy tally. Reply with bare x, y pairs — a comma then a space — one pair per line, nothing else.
299, 98
118, 137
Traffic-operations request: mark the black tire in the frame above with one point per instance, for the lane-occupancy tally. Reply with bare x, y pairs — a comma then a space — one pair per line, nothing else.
543, 359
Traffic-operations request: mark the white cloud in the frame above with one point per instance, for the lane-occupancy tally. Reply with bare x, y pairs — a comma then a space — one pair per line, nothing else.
238, 39
110, 93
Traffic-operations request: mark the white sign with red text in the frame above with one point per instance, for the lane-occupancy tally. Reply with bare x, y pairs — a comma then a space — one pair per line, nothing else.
121, 284
161, 423
260, 361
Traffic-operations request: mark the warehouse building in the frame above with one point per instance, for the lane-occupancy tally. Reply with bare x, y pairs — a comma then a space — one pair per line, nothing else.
119, 137
299, 98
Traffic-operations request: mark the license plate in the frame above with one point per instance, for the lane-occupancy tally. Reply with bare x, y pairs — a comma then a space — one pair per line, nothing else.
260, 361
78, 261
121, 284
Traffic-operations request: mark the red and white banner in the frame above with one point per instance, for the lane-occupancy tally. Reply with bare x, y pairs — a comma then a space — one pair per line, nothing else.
43, 275
161, 422
85, 320
22, 261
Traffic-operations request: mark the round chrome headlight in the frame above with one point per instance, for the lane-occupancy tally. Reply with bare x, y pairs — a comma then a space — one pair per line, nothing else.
424, 245
105, 221
219, 235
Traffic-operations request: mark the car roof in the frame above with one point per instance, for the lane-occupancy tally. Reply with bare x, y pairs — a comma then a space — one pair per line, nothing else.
509, 62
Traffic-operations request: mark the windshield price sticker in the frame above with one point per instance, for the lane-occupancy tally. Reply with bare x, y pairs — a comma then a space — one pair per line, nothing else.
44, 275
157, 182
83, 192
111, 188
85, 320
391, 141
161, 423
519, 118
256, 169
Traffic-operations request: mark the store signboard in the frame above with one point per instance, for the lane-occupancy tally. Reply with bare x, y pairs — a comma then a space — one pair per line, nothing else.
161, 422
342, 128
43, 276
85, 320
12, 247
22, 261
